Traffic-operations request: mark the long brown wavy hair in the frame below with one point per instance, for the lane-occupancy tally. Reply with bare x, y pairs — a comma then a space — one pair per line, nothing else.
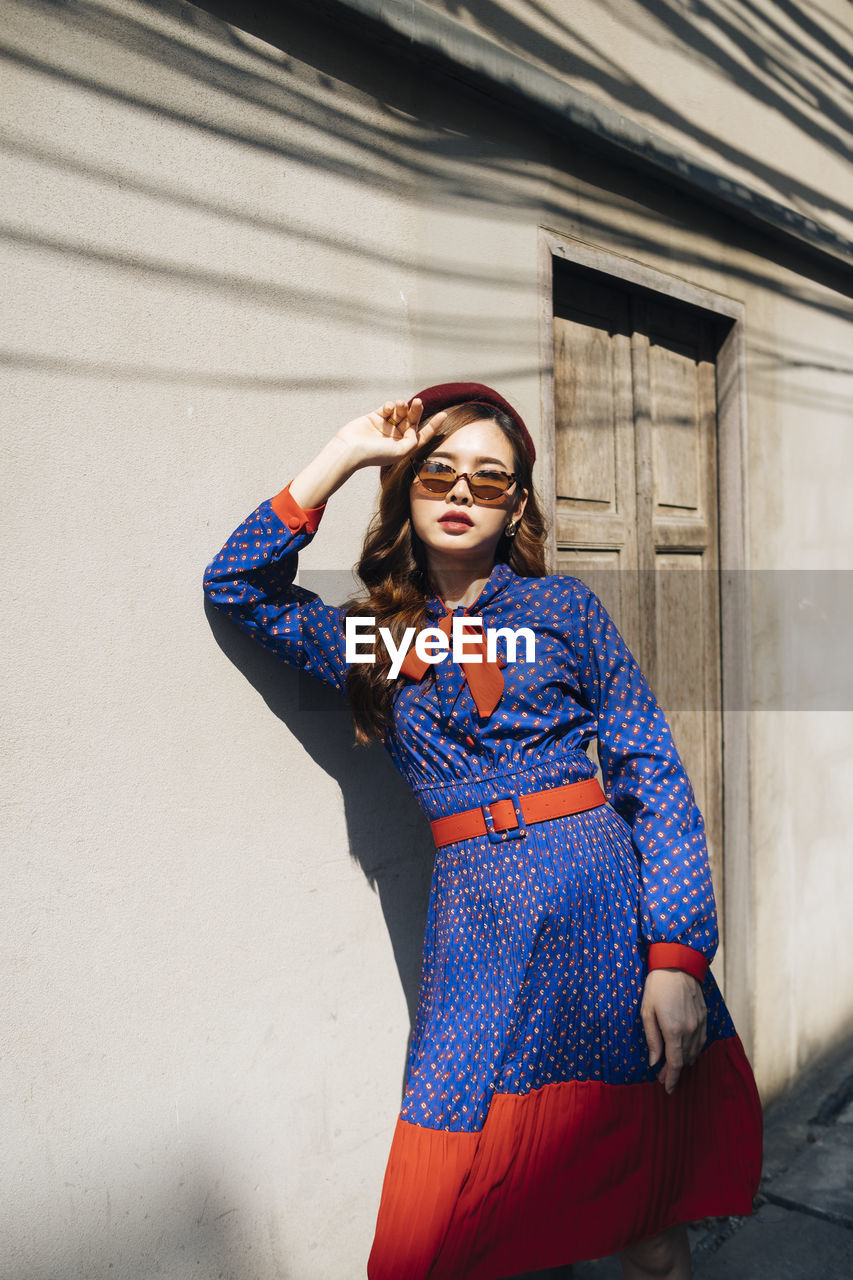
394, 570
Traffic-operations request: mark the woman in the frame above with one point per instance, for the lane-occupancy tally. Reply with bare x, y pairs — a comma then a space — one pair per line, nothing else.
575, 1086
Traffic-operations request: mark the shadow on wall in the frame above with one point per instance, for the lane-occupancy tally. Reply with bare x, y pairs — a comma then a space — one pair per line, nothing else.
389, 836
789, 56
330, 104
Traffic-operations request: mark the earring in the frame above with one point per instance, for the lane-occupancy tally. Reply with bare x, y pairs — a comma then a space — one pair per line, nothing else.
511, 529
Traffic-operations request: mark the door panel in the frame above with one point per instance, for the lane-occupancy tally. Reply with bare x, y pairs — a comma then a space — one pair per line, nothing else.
596, 520
636, 510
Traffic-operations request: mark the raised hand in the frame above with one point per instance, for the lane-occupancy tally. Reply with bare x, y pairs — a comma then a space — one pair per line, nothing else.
387, 433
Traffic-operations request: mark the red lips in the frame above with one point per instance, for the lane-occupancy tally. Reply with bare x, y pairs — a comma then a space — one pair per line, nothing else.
457, 517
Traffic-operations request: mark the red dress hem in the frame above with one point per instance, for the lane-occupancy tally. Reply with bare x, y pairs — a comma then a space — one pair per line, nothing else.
571, 1171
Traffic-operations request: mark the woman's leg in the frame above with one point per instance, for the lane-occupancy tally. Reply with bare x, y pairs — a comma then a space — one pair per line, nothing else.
663, 1257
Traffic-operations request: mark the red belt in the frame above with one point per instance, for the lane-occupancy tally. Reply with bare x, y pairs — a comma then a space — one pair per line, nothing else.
507, 817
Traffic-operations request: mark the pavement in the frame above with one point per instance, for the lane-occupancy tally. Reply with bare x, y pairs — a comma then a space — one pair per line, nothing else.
802, 1224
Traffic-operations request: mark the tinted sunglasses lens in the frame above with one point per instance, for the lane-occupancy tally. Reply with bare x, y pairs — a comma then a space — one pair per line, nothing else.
491, 486
485, 485
435, 483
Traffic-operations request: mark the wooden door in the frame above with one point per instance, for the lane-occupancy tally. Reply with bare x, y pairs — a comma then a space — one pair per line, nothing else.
636, 500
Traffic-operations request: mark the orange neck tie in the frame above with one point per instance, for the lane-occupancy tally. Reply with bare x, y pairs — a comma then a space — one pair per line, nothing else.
485, 679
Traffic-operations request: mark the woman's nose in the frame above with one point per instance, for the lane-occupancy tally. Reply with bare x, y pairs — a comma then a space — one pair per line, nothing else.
461, 489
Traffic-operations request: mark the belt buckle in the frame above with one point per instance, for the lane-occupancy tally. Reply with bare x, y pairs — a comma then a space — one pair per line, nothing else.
512, 833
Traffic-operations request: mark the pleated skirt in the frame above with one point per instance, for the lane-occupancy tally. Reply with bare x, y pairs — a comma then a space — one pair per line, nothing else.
534, 1131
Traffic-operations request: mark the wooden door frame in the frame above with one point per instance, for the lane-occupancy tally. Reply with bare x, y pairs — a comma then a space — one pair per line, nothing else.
738, 867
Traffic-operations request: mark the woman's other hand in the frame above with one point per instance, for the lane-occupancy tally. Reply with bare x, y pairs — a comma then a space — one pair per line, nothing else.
388, 433
675, 1019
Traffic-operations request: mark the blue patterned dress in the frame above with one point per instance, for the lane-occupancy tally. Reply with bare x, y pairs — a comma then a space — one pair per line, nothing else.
533, 1129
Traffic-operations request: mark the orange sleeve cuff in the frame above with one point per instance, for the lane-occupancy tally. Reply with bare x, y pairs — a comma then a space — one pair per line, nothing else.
295, 517
674, 955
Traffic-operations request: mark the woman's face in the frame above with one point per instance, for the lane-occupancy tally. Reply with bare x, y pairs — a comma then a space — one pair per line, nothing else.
455, 525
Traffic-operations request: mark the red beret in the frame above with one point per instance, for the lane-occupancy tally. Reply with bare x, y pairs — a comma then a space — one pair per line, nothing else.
447, 394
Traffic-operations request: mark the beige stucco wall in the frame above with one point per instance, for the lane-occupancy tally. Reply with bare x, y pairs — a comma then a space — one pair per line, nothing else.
757, 90
213, 254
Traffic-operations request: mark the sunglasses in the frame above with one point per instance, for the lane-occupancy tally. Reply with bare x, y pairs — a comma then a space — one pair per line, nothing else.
487, 485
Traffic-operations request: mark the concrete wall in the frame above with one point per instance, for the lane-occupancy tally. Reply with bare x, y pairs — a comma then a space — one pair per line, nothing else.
757, 89
216, 248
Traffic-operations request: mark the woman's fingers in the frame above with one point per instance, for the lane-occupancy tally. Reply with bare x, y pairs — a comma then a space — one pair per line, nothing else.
400, 414
695, 1028
684, 1044
428, 431
674, 1058
700, 1035
654, 1039
394, 410
399, 422
405, 420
